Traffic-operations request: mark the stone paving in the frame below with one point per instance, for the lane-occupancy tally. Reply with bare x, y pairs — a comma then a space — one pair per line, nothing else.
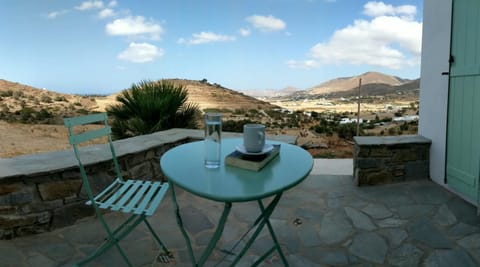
325, 221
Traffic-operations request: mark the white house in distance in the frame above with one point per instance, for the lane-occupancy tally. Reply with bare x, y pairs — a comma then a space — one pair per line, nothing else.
450, 94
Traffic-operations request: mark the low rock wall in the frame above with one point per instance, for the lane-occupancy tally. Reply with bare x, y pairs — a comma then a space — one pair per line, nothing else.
41, 192
387, 159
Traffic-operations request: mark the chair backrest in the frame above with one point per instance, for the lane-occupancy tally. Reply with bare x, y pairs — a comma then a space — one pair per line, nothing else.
77, 137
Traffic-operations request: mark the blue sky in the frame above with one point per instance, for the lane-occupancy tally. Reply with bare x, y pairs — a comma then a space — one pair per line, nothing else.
102, 47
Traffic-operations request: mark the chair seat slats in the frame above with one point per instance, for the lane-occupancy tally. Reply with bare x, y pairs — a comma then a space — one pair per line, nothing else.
157, 199
132, 196
138, 196
103, 194
127, 195
116, 195
152, 191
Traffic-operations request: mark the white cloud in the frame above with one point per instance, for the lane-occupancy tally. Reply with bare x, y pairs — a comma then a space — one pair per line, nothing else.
244, 32
266, 23
140, 53
106, 13
305, 64
377, 9
390, 41
112, 3
55, 14
87, 5
134, 26
206, 37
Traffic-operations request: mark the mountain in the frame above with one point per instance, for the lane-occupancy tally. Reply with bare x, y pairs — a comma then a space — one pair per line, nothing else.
381, 89
215, 96
15, 96
270, 92
349, 83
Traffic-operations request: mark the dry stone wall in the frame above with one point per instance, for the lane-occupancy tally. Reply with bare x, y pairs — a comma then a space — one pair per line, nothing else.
41, 192
40, 202
388, 159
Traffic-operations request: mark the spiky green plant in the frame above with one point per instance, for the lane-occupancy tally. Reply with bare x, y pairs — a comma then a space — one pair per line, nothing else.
151, 106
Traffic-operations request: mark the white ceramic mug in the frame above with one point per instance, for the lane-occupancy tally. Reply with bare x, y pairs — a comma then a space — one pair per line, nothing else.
253, 137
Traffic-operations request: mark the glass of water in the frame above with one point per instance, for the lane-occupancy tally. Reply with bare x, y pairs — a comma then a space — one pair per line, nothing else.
213, 139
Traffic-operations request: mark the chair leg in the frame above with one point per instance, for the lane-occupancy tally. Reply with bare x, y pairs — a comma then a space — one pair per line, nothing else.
159, 242
113, 237
111, 241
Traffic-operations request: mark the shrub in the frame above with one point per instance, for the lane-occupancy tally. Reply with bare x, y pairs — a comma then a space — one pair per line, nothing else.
45, 98
348, 131
26, 114
60, 98
235, 126
82, 111
18, 94
148, 107
43, 114
7, 93
391, 131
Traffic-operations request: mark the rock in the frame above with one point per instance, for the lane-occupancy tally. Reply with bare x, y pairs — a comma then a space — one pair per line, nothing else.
406, 255
359, 219
377, 211
312, 145
444, 216
335, 228
448, 258
424, 231
369, 246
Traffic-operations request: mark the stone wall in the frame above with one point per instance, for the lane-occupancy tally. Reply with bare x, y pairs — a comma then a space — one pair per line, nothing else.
42, 192
387, 159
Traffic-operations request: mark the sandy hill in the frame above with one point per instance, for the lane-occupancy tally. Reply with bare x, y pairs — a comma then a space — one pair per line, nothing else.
382, 89
271, 92
348, 83
15, 96
215, 96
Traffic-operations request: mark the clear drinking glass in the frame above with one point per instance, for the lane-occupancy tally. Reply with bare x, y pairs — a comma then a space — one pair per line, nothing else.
213, 139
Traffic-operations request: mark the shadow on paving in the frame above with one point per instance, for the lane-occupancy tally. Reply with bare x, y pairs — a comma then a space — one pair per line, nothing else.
326, 220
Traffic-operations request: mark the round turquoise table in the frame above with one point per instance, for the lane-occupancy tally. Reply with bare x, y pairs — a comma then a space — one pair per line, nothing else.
184, 167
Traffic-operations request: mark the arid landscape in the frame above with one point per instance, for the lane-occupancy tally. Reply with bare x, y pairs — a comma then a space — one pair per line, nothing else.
31, 118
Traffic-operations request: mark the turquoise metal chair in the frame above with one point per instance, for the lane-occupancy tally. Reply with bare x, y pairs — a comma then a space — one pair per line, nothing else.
138, 198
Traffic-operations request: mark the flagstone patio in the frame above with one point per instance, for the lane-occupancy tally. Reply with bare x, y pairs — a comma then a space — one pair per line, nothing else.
324, 221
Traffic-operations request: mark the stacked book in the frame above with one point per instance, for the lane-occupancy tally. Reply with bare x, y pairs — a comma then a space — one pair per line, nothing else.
251, 162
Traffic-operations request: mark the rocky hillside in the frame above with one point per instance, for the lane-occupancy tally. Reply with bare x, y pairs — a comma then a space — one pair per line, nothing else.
269, 93
349, 83
24, 103
16, 96
215, 96
381, 89
374, 83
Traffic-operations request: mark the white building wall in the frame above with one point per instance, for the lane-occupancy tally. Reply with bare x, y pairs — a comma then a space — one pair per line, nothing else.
434, 85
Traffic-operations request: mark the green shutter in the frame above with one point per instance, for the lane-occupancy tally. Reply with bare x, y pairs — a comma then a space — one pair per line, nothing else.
463, 132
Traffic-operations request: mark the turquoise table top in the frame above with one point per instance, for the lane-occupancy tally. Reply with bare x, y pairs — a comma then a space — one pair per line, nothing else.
184, 167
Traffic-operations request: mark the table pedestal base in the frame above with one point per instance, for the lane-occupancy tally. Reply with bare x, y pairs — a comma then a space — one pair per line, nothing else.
262, 220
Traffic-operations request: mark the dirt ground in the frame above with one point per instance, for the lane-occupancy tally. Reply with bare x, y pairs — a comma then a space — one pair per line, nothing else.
22, 139
320, 146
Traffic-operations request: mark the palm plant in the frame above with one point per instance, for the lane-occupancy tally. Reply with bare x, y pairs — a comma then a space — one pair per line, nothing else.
152, 106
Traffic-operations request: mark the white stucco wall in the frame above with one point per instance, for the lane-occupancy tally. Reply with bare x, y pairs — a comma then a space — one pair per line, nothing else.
433, 85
